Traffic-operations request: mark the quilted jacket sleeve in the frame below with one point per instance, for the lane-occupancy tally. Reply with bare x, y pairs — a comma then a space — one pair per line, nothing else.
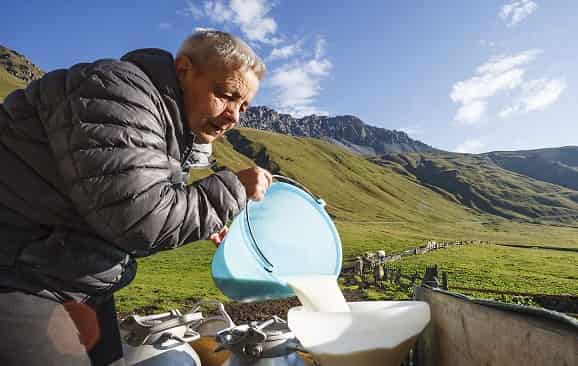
109, 140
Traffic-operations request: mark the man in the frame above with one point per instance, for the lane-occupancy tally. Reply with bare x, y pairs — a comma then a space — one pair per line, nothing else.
358, 267
378, 273
94, 162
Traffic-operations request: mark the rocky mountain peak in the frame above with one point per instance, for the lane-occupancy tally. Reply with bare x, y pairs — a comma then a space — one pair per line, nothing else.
347, 131
18, 65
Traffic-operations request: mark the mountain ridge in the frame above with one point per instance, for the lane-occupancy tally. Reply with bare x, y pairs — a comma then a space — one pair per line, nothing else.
554, 165
347, 131
19, 65
476, 181
529, 185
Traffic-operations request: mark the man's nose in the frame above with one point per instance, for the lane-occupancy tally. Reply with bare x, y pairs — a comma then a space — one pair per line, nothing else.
233, 113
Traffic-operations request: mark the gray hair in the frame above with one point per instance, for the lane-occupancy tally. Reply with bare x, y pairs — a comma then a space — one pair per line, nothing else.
209, 48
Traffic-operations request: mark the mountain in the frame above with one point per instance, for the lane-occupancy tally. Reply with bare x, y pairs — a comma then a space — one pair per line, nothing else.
15, 71
557, 165
478, 182
347, 131
8, 82
18, 65
390, 177
387, 202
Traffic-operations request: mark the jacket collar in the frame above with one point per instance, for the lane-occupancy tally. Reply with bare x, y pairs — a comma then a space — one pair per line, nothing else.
159, 66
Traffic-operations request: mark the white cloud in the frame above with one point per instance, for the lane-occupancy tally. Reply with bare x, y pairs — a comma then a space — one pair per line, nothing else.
217, 11
295, 84
498, 74
470, 146
191, 10
284, 52
471, 113
165, 26
540, 93
498, 64
537, 95
516, 11
203, 29
508, 111
298, 84
412, 131
320, 47
251, 16
485, 86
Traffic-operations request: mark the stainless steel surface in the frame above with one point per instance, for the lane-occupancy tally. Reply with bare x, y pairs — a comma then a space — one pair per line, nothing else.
292, 359
163, 339
261, 344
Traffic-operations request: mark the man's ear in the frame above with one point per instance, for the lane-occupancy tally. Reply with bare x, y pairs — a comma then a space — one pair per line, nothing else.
183, 65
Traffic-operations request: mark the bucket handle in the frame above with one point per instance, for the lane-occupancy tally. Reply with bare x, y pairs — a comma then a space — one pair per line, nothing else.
268, 265
284, 179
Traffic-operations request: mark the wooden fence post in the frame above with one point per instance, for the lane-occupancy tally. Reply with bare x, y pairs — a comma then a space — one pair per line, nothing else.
444, 280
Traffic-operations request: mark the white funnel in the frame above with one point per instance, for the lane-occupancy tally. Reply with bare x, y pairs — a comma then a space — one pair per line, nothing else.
372, 333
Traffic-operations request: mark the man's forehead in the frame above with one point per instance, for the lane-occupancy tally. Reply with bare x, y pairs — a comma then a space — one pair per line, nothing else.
243, 82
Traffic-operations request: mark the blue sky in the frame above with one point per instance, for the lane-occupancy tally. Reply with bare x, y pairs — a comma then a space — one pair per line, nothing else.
470, 76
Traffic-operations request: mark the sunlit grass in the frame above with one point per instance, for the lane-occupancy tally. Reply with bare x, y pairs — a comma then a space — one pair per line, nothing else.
374, 208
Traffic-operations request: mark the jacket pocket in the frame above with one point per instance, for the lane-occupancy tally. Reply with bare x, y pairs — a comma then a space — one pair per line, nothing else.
77, 262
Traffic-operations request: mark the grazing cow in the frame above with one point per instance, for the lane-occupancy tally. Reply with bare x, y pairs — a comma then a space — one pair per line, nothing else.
369, 261
381, 256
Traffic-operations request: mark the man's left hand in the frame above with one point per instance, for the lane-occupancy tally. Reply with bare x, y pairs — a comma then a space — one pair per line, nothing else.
218, 237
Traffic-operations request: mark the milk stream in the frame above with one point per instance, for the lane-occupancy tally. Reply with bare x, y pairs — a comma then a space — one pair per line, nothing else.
318, 293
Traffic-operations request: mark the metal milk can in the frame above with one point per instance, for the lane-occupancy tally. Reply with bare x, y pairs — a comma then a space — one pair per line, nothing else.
163, 339
268, 343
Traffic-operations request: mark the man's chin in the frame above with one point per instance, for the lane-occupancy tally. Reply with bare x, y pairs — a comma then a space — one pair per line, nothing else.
205, 138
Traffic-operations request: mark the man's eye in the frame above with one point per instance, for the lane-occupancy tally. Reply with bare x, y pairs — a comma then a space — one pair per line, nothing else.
223, 94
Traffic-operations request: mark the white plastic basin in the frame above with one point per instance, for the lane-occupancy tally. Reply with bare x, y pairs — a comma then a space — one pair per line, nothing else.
369, 326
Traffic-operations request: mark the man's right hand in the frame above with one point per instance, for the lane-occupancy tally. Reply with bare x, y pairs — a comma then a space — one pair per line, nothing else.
256, 182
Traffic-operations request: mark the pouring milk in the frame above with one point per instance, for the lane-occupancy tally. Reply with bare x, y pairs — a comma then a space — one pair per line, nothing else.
318, 293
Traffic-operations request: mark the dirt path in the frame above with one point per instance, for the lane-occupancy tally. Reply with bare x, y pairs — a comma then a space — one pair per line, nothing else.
258, 311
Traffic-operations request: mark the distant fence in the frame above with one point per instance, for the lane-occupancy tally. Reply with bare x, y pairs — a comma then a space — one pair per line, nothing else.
562, 249
381, 275
370, 258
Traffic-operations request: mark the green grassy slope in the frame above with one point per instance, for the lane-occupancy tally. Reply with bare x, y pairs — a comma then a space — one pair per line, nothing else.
383, 207
477, 182
8, 83
556, 165
374, 208
355, 189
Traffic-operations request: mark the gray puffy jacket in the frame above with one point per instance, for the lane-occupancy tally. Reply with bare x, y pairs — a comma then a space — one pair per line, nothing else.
92, 176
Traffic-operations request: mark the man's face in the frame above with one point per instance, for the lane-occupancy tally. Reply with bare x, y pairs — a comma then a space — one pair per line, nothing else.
214, 98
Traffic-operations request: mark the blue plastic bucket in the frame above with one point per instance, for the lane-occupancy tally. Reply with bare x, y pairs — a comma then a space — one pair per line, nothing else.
287, 233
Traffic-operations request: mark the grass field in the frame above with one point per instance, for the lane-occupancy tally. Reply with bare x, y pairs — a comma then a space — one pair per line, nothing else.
509, 269
374, 208
8, 83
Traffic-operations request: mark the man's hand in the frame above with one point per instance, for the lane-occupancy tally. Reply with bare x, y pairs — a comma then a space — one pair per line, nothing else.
217, 238
256, 181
